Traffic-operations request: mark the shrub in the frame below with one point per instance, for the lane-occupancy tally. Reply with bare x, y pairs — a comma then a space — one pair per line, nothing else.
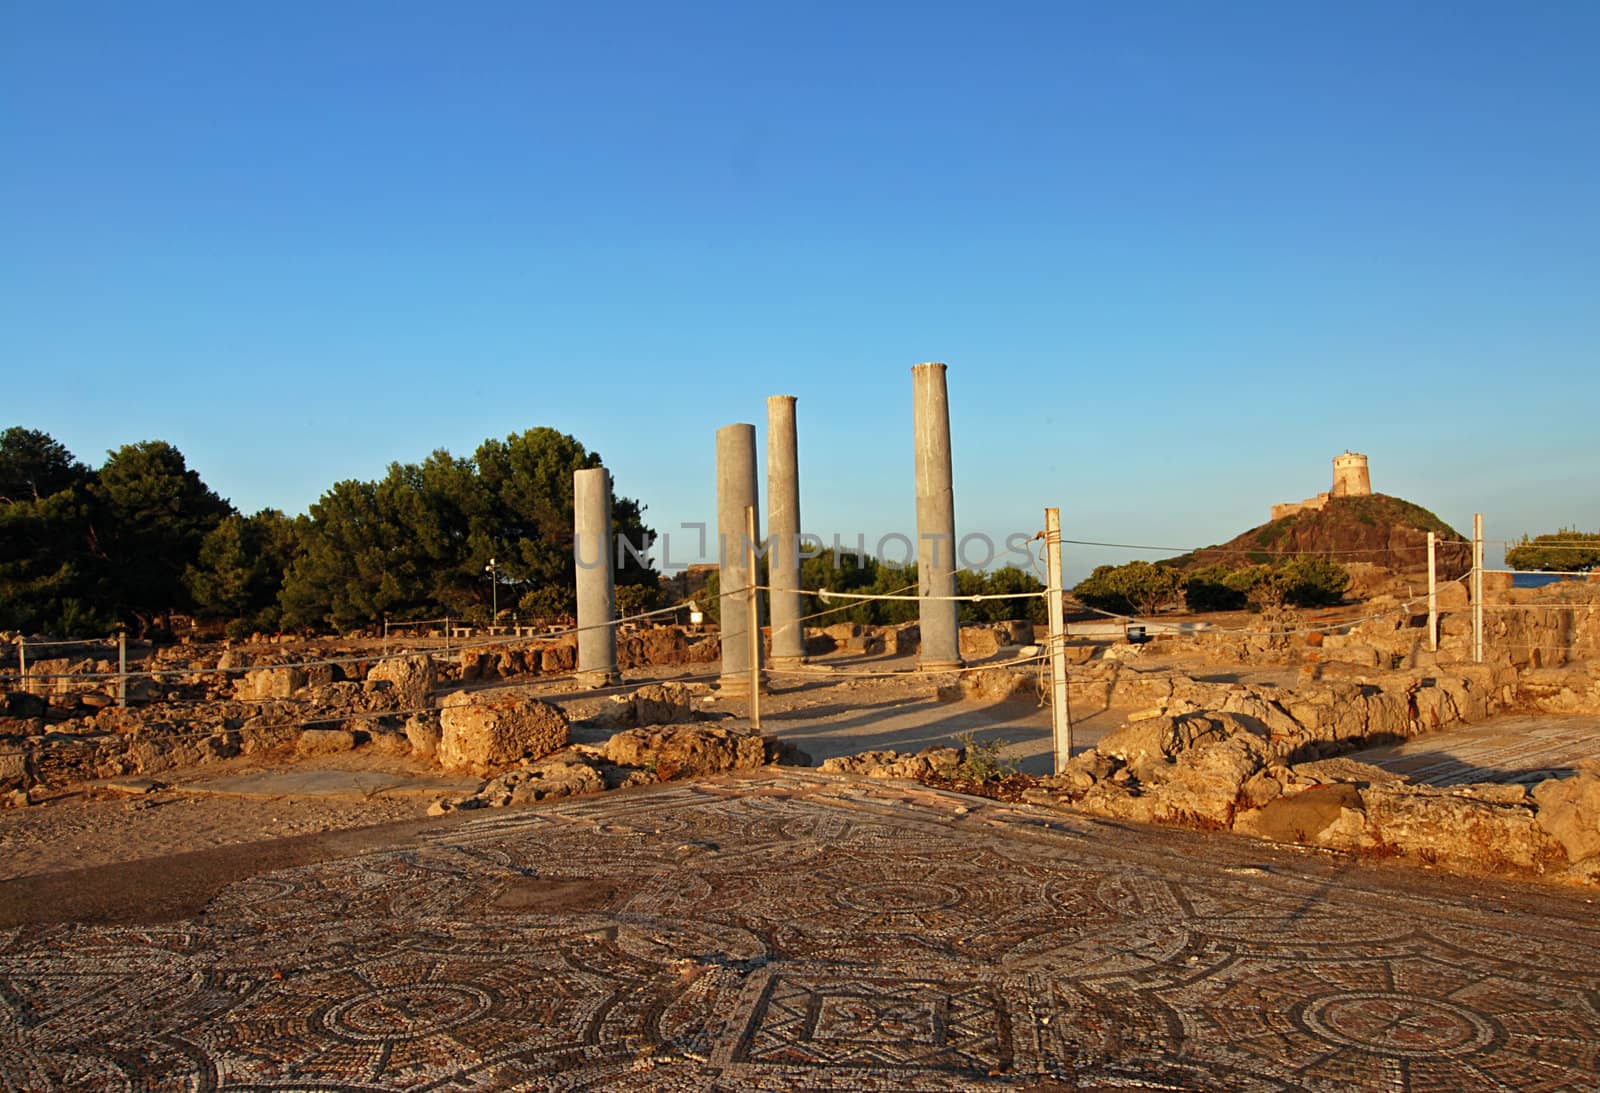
1135, 588
1566, 550
981, 760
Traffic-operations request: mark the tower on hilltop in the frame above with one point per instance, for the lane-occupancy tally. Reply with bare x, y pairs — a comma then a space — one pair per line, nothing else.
1350, 475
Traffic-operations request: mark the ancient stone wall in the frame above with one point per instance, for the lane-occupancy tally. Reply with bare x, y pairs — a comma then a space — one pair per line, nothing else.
1310, 504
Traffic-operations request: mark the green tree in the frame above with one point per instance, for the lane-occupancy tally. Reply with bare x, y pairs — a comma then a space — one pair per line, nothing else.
1302, 582
46, 570
1005, 581
1566, 551
419, 541
34, 465
1207, 589
1141, 588
150, 514
239, 571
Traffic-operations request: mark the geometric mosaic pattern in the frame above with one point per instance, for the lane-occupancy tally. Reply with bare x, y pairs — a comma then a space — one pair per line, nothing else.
798, 931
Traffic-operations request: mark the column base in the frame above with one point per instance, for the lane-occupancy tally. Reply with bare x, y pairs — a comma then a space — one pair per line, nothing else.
593, 681
940, 665
738, 686
788, 662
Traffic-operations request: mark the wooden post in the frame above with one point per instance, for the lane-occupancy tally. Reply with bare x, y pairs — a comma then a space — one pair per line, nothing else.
122, 668
22, 662
1477, 587
1433, 596
386, 635
755, 618
1060, 716
447, 635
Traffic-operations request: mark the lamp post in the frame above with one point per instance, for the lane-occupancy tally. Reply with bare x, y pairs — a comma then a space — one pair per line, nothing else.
494, 593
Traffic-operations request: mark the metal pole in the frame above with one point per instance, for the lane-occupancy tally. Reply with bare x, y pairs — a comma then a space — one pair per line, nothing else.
22, 662
1433, 595
122, 668
1477, 587
755, 619
447, 635
1060, 716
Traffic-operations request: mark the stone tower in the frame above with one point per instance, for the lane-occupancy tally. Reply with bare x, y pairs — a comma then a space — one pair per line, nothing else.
1350, 477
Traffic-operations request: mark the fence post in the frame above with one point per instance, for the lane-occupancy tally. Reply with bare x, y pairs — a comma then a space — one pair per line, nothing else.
1477, 587
1060, 716
755, 618
447, 635
386, 635
22, 663
122, 668
1433, 596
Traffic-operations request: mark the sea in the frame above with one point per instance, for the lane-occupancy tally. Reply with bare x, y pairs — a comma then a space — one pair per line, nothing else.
1539, 580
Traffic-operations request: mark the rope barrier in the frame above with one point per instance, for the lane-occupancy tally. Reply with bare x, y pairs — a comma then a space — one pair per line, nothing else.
1541, 606
482, 643
35, 643
1569, 574
1258, 550
842, 607
831, 673
979, 597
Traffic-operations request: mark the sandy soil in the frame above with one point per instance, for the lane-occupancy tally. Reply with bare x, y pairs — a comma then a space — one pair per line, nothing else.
91, 826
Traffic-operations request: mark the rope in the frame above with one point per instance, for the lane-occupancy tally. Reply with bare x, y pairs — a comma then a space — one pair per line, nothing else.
482, 643
843, 607
1569, 574
827, 596
36, 644
1258, 550
897, 673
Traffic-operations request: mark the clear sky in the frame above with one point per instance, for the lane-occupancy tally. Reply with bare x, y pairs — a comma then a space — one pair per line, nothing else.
1177, 256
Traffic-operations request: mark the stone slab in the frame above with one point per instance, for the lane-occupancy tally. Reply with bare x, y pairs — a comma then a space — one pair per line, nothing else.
331, 783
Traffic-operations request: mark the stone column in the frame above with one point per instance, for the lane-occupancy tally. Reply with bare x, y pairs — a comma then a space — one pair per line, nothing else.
936, 520
597, 600
736, 490
783, 530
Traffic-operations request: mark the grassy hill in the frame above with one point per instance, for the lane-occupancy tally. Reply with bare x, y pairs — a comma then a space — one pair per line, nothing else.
1377, 529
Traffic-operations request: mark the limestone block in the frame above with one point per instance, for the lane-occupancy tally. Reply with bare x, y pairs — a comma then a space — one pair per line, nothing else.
978, 642
683, 751
1569, 810
324, 741
412, 679
259, 684
422, 731
485, 733
663, 704
1487, 826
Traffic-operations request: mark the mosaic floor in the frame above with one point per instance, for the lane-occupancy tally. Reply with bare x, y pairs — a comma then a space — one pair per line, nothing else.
804, 932
1506, 749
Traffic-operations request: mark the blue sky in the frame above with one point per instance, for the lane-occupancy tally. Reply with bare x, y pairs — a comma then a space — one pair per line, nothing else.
1177, 256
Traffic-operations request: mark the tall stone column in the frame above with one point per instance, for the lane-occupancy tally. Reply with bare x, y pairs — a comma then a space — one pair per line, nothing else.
597, 598
736, 490
936, 520
783, 529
